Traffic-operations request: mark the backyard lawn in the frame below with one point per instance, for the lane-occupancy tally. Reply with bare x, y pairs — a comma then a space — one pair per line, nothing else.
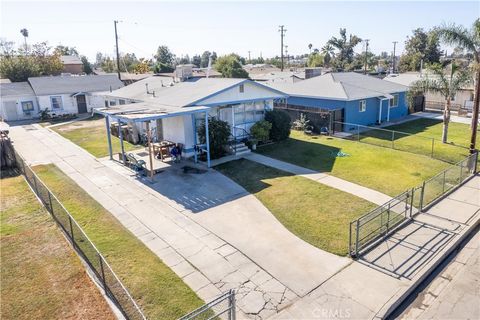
383, 169
423, 131
42, 277
91, 135
316, 213
160, 293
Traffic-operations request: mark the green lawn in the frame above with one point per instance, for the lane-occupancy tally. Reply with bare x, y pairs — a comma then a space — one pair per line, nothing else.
42, 277
160, 293
91, 135
383, 169
423, 131
314, 212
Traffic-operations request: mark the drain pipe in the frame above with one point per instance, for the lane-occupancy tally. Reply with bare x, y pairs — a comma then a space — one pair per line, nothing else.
380, 107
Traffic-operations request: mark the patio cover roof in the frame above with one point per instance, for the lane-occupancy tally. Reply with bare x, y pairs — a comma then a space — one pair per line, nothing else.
146, 111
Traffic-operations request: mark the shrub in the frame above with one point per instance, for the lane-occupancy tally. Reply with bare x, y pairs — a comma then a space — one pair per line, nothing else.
260, 131
218, 133
280, 121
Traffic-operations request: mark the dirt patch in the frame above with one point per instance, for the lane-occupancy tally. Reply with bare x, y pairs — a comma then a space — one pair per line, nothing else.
87, 123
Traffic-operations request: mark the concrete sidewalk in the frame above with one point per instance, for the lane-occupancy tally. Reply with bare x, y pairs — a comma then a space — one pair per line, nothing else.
206, 228
374, 285
323, 178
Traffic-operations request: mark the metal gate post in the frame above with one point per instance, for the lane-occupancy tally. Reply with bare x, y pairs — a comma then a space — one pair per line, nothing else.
231, 301
444, 178
411, 201
393, 139
356, 238
422, 193
475, 163
36, 188
461, 169
388, 218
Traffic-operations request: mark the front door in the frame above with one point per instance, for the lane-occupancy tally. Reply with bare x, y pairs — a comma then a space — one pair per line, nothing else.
81, 103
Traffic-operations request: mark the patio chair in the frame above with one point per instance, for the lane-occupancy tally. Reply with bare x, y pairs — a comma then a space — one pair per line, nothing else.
135, 164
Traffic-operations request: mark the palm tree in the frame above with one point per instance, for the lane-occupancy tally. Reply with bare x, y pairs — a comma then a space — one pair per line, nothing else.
24, 33
310, 47
469, 40
445, 82
345, 48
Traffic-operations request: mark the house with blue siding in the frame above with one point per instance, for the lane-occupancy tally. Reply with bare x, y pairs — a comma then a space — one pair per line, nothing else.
356, 98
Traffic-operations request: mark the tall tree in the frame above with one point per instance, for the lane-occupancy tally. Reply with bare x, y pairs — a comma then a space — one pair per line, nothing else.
86, 65
24, 33
65, 51
420, 46
197, 60
165, 59
469, 40
345, 48
445, 82
230, 66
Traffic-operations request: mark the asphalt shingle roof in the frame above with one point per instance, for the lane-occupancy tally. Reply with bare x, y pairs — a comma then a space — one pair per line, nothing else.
179, 94
16, 89
340, 86
73, 84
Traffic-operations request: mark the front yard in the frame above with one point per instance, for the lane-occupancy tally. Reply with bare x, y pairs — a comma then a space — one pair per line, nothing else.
312, 211
423, 130
42, 277
383, 169
160, 293
91, 135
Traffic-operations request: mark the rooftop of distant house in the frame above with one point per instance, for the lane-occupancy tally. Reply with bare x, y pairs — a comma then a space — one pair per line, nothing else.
70, 60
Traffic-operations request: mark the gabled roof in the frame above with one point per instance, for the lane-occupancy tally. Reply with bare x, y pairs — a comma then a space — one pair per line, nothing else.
179, 94
73, 84
70, 60
408, 78
16, 89
340, 86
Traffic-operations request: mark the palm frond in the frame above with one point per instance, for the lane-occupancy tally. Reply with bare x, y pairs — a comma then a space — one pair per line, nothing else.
457, 35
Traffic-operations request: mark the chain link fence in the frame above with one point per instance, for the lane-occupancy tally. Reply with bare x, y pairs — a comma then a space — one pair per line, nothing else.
402, 141
108, 280
222, 307
381, 221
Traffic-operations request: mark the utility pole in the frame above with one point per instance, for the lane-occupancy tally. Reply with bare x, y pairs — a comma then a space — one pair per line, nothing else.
116, 47
249, 60
282, 34
393, 59
366, 57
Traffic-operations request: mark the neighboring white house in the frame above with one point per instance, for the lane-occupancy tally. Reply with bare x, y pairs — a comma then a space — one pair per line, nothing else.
59, 94
18, 101
72, 94
177, 109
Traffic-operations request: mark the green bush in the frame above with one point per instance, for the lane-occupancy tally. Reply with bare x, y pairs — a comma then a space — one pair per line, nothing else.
218, 133
280, 121
260, 131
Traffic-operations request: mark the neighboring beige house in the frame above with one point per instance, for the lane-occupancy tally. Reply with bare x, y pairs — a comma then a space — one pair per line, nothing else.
17, 101
72, 64
463, 101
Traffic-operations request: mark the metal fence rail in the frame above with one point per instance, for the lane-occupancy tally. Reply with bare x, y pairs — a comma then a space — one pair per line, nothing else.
109, 281
402, 141
381, 221
222, 307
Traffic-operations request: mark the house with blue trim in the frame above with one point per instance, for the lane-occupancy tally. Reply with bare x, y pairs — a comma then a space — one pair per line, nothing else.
356, 98
173, 110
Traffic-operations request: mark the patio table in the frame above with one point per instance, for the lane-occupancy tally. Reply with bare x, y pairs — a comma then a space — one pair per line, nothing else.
162, 148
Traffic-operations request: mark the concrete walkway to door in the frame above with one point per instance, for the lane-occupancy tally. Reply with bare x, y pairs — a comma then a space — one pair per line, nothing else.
323, 178
207, 229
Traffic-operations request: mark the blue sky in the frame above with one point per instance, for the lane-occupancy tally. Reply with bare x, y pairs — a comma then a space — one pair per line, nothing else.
224, 27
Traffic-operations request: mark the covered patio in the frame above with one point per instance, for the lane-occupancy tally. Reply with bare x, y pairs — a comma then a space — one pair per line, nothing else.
145, 113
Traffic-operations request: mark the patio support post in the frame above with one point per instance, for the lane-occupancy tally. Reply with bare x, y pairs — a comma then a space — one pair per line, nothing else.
388, 112
380, 112
194, 126
120, 135
207, 139
150, 158
109, 138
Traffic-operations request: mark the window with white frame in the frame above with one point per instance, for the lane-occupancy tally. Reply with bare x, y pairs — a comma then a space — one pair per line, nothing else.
27, 106
362, 106
113, 103
393, 102
56, 102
